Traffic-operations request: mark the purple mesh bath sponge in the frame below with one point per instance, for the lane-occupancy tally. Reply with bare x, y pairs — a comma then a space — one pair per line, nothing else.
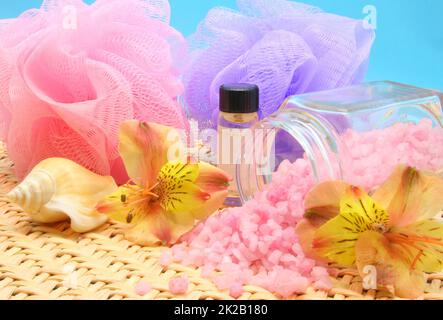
284, 47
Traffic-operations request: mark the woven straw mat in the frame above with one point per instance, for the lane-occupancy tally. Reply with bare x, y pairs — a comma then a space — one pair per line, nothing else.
36, 262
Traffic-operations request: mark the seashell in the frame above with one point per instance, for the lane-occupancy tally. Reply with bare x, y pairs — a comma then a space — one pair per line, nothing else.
59, 189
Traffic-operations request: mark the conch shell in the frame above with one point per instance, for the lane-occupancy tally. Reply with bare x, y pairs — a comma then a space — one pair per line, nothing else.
58, 189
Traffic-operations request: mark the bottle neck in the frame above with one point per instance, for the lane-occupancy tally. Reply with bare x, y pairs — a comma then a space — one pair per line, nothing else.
239, 117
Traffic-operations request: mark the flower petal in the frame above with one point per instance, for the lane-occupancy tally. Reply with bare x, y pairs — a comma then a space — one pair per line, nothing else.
362, 212
176, 187
158, 227
147, 222
127, 205
144, 148
191, 192
186, 187
215, 182
305, 231
408, 284
324, 199
210, 206
373, 249
212, 179
335, 240
321, 204
421, 244
409, 195
173, 206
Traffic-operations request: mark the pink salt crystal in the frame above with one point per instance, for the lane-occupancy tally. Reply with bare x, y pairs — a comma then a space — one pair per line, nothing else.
285, 166
287, 285
423, 135
218, 246
179, 285
207, 270
246, 252
289, 234
275, 257
267, 264
225, 242
187, 261
223, 282
306, 266
319, 272
237, 254
264, 229
288, 258
226, 262
180, 255
263, 247
142, 288
253, 242
261, 279
323, 284
214, 258
196, 256
166, 258
178, 252
235, 238
236, 290
227, 230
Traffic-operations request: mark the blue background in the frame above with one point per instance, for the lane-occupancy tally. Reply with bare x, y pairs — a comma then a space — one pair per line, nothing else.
409, 45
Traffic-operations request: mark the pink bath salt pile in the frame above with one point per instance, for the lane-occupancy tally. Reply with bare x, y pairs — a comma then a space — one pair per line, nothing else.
256, 244
372, 156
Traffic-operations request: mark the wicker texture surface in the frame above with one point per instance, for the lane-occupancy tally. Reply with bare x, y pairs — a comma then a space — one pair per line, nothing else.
41, 262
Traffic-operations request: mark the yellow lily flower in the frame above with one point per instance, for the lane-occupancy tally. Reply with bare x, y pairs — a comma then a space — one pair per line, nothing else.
164, 199
395, 230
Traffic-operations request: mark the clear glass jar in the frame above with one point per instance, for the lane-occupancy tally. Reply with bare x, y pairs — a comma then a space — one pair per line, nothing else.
318, 126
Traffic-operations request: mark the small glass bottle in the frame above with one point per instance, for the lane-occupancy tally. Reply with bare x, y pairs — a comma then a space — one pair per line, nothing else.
239, 105
315, 126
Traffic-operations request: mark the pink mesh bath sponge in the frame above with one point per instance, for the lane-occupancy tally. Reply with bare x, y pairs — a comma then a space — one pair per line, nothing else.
70, 73
282, 46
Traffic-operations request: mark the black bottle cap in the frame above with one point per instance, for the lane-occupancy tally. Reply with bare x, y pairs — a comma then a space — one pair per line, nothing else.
239, 98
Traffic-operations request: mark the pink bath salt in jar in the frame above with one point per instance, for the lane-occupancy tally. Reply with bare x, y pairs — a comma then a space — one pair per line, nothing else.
358, 134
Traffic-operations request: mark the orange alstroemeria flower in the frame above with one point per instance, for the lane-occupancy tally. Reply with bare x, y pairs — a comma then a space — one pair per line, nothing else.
395, 230
165, 198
